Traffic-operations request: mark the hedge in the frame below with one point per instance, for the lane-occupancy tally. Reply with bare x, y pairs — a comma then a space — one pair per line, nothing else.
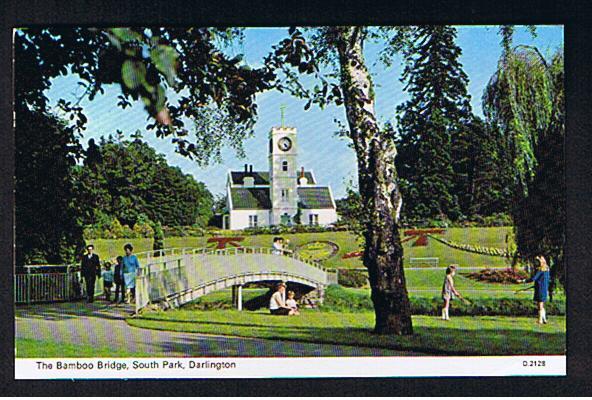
339, 299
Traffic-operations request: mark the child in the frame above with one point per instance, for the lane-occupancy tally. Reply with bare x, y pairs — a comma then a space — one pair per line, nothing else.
118, 279
541, 286
291, 303
448, 291
107, 275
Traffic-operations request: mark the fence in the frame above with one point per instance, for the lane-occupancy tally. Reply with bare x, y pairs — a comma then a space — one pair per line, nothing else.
49, 283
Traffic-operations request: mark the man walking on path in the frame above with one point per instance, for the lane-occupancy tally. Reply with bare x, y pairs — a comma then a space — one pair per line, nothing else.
91, 269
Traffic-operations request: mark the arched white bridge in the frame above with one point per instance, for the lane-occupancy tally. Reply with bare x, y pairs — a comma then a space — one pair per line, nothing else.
178, 276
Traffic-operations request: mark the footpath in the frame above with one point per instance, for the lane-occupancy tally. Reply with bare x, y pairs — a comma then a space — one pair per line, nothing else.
102, 325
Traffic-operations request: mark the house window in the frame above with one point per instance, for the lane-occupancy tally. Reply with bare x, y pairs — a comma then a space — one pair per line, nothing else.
285, 195
284, 165
252, 221
313, 219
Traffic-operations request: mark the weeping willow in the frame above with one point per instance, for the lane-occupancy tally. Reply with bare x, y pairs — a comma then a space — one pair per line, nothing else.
519, 100
524, 99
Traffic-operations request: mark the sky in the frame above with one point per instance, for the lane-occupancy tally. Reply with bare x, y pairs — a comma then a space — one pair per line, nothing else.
319, 149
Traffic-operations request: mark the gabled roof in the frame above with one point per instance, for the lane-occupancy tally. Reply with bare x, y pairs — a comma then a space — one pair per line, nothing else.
250, 198
262, 177
314, 197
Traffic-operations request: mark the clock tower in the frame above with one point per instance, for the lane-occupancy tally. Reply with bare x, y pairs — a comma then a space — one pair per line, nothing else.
283, 175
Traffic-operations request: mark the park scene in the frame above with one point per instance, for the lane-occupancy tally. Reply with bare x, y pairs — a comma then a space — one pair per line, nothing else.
290, 191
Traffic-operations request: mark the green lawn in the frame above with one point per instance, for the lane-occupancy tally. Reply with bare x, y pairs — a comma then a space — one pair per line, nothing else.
459, 336
32, 348
347, 242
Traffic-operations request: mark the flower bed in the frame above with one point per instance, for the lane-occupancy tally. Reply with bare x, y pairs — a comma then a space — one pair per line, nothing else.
497, 276
488, 251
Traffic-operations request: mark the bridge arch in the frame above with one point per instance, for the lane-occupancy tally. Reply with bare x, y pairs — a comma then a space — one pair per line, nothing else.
178, 278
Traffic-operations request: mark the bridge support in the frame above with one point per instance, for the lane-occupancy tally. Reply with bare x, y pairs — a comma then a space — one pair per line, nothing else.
237, 296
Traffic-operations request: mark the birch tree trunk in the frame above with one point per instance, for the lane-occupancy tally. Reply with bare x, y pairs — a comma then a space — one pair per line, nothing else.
377, 179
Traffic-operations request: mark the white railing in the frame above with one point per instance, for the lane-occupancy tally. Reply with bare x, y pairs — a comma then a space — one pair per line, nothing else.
34, 285
190, 268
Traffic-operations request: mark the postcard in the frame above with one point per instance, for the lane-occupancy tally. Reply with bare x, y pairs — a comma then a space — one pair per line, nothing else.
289, 202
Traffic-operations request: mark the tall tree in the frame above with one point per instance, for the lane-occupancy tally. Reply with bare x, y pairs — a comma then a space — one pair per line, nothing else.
434, 143
525, 100
47, 218
489, 171
343, 49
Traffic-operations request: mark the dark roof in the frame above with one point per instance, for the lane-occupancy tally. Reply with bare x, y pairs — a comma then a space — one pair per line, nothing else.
250, 198
262, 177
314, 197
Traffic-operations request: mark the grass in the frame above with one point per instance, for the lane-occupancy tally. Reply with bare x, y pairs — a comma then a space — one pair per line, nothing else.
33, 348
347, 242
459, 336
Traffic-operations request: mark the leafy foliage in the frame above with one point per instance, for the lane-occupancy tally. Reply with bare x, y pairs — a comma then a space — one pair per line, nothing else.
48, 228
525, 100
148, 64
432, 146
130, 182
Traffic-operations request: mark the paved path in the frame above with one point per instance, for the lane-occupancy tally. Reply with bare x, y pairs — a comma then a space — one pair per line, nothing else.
101, 325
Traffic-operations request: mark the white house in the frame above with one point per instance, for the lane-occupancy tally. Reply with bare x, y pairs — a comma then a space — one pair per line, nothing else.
277, 196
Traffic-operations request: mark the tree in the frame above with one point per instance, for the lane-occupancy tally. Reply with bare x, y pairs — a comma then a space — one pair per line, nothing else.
525, 100
342, 48
350, 210
489, 172
434, 142
129, 180
146, 63
48, 226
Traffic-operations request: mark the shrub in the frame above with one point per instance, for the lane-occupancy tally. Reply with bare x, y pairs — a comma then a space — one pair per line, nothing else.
143, 229
497, 276
338, 298
352, 278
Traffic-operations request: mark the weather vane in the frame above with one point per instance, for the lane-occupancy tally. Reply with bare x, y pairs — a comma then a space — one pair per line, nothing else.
282, 109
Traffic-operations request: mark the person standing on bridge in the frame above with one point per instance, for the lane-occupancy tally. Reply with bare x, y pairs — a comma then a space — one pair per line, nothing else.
277, 306
91, 269
130, 268
277, 246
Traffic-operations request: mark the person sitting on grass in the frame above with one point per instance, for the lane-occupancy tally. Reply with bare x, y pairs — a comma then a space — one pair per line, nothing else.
286, 246
541, 286
291, 302
107, 275
449, 291
276, 303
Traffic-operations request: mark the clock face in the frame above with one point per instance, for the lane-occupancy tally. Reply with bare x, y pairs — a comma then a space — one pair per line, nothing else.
285, 144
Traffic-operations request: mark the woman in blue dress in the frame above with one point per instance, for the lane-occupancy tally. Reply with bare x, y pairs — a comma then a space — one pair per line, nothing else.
130, 268
541, 287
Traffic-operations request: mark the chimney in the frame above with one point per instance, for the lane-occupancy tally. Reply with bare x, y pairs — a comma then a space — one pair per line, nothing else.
246, 168
251, 169
302, 180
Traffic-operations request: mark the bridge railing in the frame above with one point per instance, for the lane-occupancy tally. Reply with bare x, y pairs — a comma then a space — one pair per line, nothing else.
189, 268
